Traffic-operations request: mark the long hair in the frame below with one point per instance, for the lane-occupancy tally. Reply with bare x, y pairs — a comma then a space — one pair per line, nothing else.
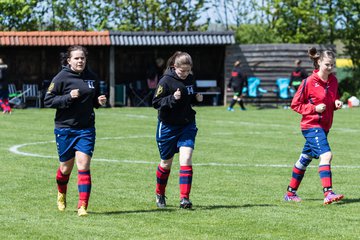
316, 55
179, 58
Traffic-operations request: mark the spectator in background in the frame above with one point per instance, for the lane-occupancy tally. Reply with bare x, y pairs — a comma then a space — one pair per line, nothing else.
238, 81
4, 89
297, 75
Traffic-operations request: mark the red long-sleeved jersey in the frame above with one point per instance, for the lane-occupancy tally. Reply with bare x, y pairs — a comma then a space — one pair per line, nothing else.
312, 92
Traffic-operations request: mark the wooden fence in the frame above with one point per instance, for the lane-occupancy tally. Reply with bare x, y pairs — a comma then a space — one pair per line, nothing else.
268, 62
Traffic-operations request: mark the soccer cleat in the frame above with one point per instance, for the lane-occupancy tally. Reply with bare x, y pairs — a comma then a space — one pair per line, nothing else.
243, 109
160, 201
230, 109
82, 211
332, 197
185, 203
292, 198
61, 201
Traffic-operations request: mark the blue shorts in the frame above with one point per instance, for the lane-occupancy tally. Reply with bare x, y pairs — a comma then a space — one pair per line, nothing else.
316, 142
170, 138
68, 141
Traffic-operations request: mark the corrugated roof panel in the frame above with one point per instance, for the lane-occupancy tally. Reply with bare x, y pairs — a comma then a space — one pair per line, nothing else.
173, 38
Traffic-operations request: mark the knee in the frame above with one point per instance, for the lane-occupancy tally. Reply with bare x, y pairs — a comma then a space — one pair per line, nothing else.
326, 158
186, 161
166, 164
303, 162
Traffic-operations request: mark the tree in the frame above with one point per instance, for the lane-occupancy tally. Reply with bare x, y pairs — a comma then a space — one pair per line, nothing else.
17, 15
233, 13
350, 28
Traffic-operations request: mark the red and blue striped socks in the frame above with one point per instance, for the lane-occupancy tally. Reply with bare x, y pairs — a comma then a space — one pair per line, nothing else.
62, 181
162, 176
84, 186
326, 178
185, 181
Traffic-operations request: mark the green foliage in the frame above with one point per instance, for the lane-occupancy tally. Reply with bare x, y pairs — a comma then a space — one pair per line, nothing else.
349, 10
242, 166
304, 21
17, 15
260, 33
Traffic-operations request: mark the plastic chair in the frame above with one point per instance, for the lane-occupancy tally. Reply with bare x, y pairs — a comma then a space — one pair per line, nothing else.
31, 93
15, 96
283, 90
253, 90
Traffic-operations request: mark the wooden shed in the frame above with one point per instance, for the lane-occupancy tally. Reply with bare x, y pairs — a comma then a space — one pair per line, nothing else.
119, 58
268, 62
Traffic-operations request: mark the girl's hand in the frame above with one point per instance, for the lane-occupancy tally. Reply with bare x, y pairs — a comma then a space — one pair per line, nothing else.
320, 108
338, 104
75, 93
199, 97
177, 94
102, 100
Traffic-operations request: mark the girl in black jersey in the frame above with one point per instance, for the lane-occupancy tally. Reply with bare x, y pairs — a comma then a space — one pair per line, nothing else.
74, 92
237, 81
176, 128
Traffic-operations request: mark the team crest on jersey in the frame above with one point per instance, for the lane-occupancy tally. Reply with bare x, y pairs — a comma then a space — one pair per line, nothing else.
90, 83
190, 89
51, 87
159, 90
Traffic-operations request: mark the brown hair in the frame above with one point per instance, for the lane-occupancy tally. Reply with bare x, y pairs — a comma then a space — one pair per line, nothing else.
319, 55
75, 48
179, 58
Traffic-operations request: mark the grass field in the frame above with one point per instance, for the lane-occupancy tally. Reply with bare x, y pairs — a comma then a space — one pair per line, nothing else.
243, 163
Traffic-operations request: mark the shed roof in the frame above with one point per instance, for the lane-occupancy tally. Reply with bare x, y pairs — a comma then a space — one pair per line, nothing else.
54, 38
106, 38
171, 38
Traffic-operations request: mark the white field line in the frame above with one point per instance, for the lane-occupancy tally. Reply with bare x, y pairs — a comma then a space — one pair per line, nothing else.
16, 150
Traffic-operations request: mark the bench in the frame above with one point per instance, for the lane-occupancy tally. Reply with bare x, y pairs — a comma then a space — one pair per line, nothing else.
209, 87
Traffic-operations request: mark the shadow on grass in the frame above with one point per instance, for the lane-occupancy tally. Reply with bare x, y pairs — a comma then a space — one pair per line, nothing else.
232, 206
342, 201
173, 209
133, 211
349, 200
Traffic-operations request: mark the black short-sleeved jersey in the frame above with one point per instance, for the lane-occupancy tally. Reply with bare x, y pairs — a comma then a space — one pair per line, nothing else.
238, 79
170, 110
75, 113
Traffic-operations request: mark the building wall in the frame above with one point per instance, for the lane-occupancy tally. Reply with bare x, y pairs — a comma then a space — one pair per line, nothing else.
36, 64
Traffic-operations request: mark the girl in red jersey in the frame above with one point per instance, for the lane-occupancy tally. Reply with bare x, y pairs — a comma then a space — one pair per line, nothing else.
316, 100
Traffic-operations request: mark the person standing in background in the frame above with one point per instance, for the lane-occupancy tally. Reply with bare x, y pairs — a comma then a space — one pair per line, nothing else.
237, 82
4, 89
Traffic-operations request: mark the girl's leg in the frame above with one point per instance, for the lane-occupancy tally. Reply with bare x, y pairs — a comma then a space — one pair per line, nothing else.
298, 173
185, 178
84, 181
62, 179
162, 176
